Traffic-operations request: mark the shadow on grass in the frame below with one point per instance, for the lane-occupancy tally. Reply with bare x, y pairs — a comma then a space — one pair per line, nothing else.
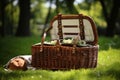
15, 75
109, 73
105, 43
9, 75
25, 75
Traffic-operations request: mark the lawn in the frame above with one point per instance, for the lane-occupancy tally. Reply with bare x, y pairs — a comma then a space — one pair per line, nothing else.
108, 67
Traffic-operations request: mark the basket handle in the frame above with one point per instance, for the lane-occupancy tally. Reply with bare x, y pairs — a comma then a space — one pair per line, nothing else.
60, 33
81, 27
42, 41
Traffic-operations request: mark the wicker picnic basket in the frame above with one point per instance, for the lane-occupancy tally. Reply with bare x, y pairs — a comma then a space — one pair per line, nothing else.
68, 56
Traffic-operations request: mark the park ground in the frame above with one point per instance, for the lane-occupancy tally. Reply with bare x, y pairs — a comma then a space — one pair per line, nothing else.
108, 67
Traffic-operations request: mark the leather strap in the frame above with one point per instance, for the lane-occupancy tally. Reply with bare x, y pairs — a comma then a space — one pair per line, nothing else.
42, 42
81, 26
60, 33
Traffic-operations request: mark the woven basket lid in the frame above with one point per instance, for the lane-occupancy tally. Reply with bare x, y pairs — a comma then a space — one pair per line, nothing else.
71, 27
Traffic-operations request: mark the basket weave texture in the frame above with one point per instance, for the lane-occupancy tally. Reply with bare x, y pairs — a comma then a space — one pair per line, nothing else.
51, 58
65, 56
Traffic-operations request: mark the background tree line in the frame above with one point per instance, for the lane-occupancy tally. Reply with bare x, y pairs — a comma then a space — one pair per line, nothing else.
19, 17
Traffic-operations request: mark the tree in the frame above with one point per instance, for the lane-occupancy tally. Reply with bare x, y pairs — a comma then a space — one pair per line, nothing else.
3, 4
66, 6
57, 6
6, 17
71, 7
24, 18
111, 16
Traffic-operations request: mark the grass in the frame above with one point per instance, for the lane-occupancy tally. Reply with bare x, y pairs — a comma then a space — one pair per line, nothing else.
108, 67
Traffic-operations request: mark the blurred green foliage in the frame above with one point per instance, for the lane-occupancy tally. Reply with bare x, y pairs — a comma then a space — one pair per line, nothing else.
39, 10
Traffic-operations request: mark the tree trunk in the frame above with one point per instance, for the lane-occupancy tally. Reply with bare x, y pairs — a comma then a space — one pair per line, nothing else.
24, 18
57, 7
104, 10
71, 7
2, 4
112, 19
